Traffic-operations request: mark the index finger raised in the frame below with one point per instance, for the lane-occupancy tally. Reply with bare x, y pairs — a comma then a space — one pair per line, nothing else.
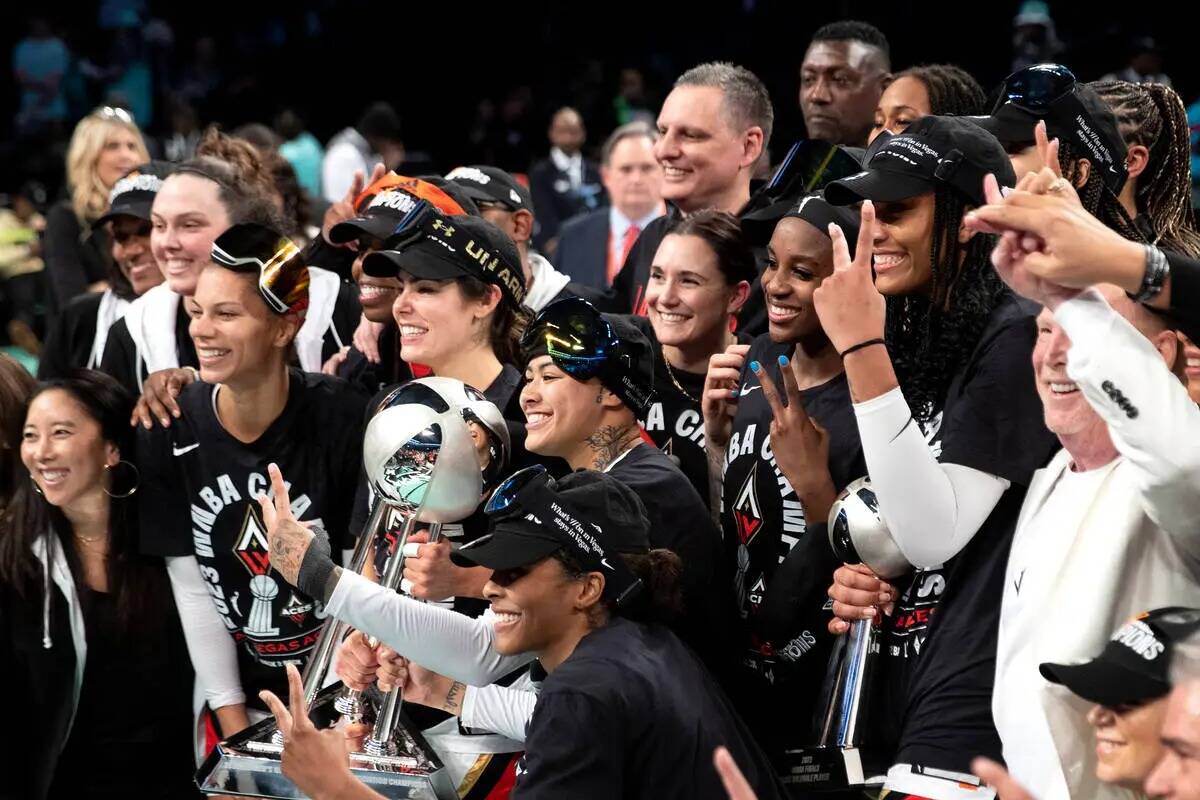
279, 492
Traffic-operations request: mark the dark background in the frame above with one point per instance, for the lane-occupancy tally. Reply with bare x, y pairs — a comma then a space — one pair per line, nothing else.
437, 61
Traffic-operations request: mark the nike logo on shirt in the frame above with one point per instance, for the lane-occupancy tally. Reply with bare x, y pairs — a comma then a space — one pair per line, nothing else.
178, 451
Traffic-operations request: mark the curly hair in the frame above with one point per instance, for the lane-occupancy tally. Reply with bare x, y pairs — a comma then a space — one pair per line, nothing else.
245, 186
1153, 115
931, 336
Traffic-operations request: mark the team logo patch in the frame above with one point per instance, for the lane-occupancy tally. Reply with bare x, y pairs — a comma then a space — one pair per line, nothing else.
746, 514
252, 548
297, 609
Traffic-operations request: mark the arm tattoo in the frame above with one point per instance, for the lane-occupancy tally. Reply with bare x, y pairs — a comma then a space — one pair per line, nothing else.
609, 442
453, 701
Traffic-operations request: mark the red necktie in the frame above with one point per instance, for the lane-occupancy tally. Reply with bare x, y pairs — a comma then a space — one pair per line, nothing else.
631, 235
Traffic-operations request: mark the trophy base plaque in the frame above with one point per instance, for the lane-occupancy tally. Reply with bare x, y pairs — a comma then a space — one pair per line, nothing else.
248, 764
820, 768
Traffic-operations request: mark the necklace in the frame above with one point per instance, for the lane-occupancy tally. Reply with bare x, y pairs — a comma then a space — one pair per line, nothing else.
674, 380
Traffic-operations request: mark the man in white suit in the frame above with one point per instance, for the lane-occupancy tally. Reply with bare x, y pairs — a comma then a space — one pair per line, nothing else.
1110, 527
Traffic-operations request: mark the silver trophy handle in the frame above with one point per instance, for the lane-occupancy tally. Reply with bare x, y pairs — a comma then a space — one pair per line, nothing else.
332, 633
382, 742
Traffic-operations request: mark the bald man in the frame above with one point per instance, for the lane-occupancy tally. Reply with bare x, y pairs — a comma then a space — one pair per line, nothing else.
1111, 526
565, 184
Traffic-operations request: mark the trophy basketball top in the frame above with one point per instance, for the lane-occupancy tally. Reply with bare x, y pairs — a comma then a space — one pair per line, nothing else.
419, 454
859, 535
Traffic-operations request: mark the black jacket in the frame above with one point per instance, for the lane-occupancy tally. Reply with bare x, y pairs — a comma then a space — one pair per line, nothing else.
75, 257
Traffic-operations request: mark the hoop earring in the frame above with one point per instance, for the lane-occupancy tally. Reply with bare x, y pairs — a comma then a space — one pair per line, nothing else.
137, 479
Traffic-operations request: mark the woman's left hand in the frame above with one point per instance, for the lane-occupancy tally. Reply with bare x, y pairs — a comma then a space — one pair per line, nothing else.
316, 761
851, 309
799, 444
287, 539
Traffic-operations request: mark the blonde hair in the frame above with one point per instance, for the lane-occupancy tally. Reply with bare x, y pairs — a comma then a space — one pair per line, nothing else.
89, 197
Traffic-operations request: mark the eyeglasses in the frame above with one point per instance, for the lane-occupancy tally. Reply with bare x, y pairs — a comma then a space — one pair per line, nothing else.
531, 492
1036, 88
582, 343
282, 276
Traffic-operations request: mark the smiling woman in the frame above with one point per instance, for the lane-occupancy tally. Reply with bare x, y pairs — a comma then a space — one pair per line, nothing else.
82, 615
248, 410
106, 144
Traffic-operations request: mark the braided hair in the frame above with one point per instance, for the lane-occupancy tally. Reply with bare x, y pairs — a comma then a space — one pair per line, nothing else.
1153, 115
1096, 198
931, 336
952, 90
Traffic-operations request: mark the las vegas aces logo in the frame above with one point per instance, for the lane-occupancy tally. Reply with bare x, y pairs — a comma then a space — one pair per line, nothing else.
252, 551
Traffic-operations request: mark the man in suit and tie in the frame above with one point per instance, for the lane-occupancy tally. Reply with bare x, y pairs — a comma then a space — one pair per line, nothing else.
593, 246
566, 183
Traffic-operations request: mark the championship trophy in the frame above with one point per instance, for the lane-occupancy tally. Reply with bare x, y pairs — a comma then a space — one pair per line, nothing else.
858, 535
423, 464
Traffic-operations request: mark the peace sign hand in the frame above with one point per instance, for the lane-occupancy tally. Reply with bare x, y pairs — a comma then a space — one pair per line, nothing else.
287, 539
851, 309
800, 445
315, 760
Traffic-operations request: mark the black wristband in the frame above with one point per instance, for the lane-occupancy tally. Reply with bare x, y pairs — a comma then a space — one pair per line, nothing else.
860, 346
1155, 276
316, 566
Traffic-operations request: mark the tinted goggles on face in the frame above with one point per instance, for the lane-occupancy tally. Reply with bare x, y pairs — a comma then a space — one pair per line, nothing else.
582, 343
530, 493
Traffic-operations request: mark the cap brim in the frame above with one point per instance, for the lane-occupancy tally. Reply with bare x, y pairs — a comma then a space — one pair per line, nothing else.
1105, 683
876, 185
135, 210
350, 230
420, 265
511, 544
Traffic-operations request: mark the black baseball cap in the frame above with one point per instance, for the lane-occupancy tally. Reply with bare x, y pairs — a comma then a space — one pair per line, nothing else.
133, 195
382, 205
586, 344
485, 184
816, 211
1134, 666
933, 151
1074, 114
517, 537
456, 247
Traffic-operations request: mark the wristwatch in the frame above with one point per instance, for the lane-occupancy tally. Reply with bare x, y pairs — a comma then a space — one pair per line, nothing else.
1155, 277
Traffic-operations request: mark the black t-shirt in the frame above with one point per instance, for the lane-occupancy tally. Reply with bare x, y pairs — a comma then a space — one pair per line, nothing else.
674, 420
784, 654
680, 522
70, 337
939, 646
199, 497
632, 713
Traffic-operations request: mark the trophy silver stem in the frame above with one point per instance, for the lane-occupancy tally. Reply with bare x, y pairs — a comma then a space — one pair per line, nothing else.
350, 703
382, 740
846, 716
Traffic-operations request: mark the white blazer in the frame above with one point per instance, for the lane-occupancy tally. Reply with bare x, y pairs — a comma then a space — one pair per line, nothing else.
1138, 546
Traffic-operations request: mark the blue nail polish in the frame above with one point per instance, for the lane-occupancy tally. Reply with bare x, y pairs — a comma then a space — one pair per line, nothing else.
733, 392
783, 361
755, 366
